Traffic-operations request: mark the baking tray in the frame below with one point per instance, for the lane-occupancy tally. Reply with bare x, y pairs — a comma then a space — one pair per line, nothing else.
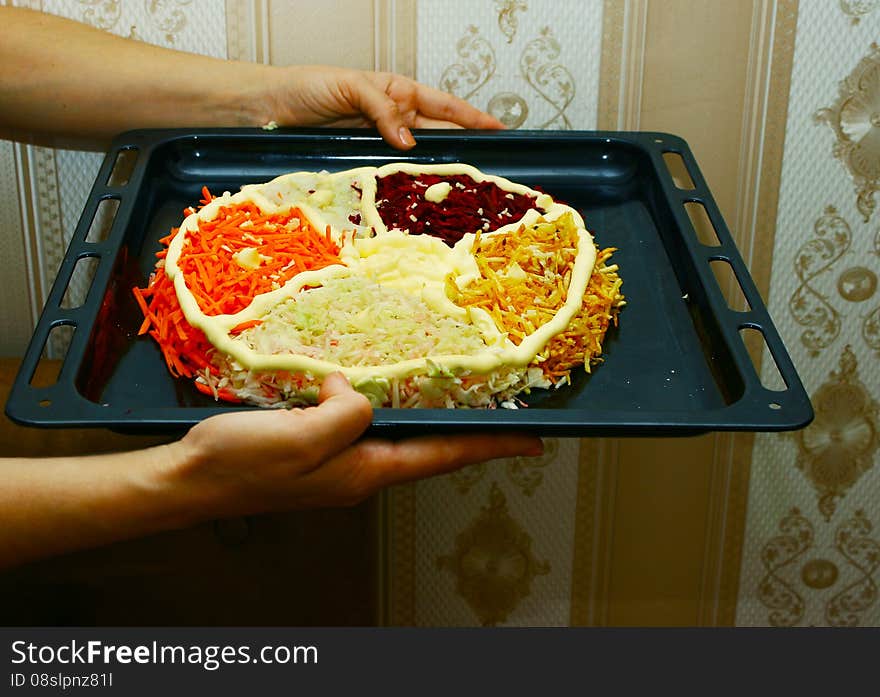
676, 365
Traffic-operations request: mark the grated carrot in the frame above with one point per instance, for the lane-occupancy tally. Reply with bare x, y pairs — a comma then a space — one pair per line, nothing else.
285, 243
238, 328
185, 348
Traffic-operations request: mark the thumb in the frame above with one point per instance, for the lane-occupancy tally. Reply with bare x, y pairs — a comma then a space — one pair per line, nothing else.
335, 385
342, 413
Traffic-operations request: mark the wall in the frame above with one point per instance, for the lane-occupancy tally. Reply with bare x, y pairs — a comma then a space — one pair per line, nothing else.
811, 549
778, 99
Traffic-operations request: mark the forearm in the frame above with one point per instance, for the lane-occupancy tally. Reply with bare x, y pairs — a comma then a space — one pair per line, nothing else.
63, 78
58, 505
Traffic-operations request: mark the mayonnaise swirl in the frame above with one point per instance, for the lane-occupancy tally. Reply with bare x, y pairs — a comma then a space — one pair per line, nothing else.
416, 264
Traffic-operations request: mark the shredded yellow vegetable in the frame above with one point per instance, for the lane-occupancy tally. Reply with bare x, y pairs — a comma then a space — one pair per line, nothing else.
524, 282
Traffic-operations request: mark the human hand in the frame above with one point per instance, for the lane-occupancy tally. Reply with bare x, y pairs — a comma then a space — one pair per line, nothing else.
57, 89
243, 463
328, 96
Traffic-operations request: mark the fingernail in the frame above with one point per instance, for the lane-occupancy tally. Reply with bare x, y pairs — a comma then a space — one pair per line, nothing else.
406, 137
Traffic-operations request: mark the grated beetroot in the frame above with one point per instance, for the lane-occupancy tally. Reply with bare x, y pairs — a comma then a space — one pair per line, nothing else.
400, 200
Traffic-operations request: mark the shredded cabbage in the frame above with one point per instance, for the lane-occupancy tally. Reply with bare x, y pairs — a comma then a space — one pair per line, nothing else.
355, 321
282, 389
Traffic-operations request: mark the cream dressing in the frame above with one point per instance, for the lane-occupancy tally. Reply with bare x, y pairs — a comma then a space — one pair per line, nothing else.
417, 264
437, 193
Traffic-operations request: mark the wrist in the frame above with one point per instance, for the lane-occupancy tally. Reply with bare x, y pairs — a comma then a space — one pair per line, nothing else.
248, 95
170, 480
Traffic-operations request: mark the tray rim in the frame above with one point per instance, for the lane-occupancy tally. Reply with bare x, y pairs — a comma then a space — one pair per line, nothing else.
793, 399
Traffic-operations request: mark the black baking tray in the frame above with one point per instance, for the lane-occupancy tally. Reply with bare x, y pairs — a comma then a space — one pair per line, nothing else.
676, 365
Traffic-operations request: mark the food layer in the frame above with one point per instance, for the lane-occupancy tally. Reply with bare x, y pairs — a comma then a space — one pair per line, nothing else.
427, 285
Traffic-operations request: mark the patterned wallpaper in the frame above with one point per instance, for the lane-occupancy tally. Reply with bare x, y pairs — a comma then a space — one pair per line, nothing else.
812, 548
530, 64
63, 178
493, 544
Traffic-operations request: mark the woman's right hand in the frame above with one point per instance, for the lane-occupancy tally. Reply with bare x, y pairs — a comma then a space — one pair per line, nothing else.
249, 462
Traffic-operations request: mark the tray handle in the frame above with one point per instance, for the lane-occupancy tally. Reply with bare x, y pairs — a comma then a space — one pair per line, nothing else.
683, 183
87, 265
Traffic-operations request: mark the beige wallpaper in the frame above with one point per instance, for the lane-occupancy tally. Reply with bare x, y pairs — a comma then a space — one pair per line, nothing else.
343, 32
812, 548
17, 311
533, 65
51, 185
777, 98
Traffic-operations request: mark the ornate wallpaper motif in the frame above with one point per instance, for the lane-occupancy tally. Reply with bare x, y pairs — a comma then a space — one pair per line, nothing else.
518, 512
786, 605
493, 543
64, 177
839, 446
528, 472
811, 552
855, 118
550, 80
525, 472
493, 562
103, 14
164, 16
824, 287
810, 307
168, 17
861, 284
862, 554
514, 59
843, 585
477, 66
508, 22
856, 9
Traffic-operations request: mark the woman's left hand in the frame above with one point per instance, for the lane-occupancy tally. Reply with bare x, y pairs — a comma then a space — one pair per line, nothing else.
394, 104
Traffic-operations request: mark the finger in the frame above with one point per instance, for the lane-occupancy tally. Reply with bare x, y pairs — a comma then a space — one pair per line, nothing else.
335, 384
341, 417
358, 121
436, 104
374, 464
427, 456
383, 111
420, 121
